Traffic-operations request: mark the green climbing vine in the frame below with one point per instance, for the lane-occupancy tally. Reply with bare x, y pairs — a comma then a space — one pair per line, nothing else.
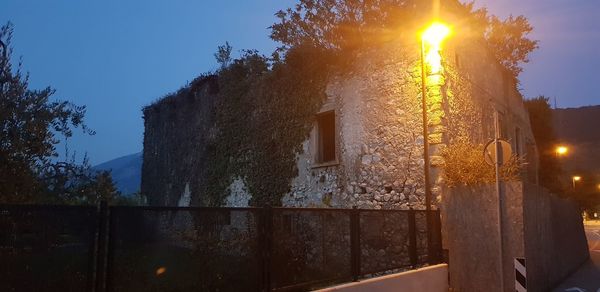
265, 110
266, 106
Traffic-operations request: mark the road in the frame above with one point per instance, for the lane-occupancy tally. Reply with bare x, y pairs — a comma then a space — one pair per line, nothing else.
587, 278
592, 232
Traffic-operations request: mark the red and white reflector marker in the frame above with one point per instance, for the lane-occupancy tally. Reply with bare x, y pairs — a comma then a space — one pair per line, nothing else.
520, 275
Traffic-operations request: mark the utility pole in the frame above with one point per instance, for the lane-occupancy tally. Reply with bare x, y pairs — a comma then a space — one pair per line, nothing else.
498, 163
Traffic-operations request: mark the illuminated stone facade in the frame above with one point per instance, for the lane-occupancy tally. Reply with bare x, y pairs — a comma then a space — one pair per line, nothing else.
378, 136
379, 132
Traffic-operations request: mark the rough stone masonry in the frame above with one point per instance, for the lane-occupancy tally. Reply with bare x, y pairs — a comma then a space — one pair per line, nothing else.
378, 141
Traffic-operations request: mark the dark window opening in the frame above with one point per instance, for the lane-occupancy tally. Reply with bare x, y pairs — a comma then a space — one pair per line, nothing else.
457, 60
326, 137
518, 141
502, 128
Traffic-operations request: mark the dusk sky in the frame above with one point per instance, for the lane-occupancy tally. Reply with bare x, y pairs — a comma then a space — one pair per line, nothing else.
117, 56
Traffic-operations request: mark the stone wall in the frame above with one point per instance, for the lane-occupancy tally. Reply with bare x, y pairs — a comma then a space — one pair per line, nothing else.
379, 145
379, 152
177, 129
379, 116
545, 230
555, 245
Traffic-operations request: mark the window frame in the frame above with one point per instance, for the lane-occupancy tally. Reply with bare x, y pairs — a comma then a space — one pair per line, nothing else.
317, 143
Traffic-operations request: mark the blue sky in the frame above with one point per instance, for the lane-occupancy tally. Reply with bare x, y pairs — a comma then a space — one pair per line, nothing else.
116, 56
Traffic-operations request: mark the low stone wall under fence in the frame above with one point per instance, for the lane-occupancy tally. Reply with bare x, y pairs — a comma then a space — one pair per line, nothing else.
210, 249
544, 229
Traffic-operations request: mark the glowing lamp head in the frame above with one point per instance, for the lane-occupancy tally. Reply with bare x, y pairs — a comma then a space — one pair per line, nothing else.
436, 33
562, 150
577, 178
431, 40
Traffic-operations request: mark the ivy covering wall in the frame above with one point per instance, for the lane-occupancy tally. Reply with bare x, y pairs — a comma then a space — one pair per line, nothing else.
263, 111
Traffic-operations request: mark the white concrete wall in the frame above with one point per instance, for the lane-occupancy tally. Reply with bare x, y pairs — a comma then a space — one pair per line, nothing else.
428, 279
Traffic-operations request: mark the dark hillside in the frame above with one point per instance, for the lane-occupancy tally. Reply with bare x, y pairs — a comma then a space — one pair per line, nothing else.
580, 129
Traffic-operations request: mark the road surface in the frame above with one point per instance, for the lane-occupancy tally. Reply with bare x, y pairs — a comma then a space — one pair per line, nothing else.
587, 278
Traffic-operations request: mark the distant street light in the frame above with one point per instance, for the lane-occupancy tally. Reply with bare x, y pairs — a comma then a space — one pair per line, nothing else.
576, 178
561, 150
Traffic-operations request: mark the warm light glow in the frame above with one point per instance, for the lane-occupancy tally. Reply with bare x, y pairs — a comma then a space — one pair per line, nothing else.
562, 150
436, 33
160, 271
432, 39
576, 178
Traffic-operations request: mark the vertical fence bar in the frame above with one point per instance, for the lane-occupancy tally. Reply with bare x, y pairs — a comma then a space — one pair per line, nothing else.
438, 232
102, 248
266, 246
110, 253
355, 243
92, 254
431, 258
412, 238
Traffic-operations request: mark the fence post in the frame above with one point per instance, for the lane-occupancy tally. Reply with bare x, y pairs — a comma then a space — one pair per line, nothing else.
430, 249
110, 249
91, 275
265, 246
412, 237
355, 243
101, 248
438, 232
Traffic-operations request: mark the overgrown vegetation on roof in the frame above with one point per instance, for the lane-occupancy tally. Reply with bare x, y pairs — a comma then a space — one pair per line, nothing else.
267, 104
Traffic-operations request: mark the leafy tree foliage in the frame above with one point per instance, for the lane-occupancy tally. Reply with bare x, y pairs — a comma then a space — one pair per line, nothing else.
463, 166
30, 126
351, 24
586, 191
508, 39
223, 55
266, 109
335, 24
540, 117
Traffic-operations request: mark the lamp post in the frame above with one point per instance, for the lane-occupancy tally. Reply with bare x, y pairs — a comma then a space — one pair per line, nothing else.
576, 178
561, 150
425, 128
431, 41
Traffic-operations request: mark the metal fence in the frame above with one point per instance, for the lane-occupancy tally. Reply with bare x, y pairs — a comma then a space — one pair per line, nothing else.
208, 249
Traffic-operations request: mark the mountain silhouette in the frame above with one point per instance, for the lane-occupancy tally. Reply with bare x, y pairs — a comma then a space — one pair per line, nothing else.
126, 172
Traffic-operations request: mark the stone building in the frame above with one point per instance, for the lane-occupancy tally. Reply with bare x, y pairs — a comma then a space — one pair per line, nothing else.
366, 146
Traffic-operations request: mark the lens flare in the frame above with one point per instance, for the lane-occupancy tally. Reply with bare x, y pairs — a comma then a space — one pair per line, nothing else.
160, 271
432, 39
562, 150
435, 34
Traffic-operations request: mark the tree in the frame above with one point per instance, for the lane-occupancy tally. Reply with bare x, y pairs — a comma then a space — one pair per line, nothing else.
507, 39
351, 24
31, 125
586, 191
223, 55
337, 25
540, 117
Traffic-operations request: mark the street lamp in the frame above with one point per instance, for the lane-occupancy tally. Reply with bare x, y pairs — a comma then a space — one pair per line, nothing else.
561, 150
431, 44
576, 178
